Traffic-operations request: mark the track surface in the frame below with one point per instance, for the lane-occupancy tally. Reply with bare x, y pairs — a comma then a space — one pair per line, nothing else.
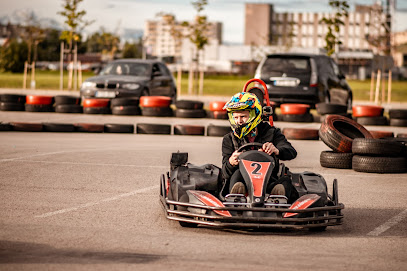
74, 201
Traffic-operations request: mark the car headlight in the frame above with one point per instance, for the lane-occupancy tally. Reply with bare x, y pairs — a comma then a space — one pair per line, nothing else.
88, 85
131, 86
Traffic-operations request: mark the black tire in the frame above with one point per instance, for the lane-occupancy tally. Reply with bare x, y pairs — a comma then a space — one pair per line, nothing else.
58, 127
157, 111
187, 224
12, 98
214, 130
332, 159
26, 126
328, 108
301, 134
190, 113
129, 110
338, 132
89, 127
96, 110
187, 104
381, 134
217, 114
119, 128
398, 113
189, 130
125, 101
65, 99
377, 147
68, 108
5, 127
8, 106
398, 122
158, 129
380, 120
297, 118
373, 164
39, 108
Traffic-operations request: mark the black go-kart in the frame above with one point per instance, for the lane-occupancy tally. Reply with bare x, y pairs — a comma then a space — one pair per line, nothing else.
196, 195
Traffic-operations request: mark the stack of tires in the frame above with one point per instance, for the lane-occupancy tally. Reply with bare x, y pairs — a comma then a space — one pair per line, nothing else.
324, 109
68, 104
398, 117
379, 156
34, 103
125, 106
12, 102
369, 115
216, 110
156, 106
338, 133
189, 109
295, 113
96, 106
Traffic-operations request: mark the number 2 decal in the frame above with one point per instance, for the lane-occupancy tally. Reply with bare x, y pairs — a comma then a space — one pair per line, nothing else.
257, 168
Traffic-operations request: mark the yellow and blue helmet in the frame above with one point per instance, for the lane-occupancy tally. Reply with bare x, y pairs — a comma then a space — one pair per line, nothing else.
244, 101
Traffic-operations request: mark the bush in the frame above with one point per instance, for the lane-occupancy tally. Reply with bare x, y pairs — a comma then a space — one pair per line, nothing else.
13, 56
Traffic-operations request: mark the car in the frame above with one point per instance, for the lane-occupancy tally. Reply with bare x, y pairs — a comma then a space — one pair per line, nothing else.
131, 78
304, 78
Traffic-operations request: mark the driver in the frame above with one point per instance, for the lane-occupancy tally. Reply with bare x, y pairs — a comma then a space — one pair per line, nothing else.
245, 112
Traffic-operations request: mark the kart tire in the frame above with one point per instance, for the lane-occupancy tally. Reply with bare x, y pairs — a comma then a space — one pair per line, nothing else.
157, 111
95, 103
330, 159
65, 99
190, 113
8, 106
328, 108
301, 134
12, 98
39, 108
214, 130
338, 132
217, 114
158, 129
398, 113
380, 120
96, 110
68, 108
294, 109
308, 117
58, 127
374, 164
155, 101
39, 100
129, 110
89, 127
5, 127
26, 126
119, 128
401, 135
217, 106
181, 129
367, 111
124, 101
187, 104
381, 134
377, 147
398, 122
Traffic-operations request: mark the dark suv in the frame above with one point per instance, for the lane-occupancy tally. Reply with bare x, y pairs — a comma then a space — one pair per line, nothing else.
131, 78
304, 78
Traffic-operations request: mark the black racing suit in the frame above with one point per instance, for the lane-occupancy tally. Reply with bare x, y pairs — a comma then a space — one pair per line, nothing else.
265, 133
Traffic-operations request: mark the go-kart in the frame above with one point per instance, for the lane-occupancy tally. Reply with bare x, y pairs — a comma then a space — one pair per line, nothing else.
197, 195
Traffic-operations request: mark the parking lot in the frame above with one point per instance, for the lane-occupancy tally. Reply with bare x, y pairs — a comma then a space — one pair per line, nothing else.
75, 201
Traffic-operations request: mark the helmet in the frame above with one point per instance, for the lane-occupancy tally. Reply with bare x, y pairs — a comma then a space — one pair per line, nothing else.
243, 101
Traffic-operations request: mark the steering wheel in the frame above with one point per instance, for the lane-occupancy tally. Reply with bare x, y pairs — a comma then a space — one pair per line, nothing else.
249, 145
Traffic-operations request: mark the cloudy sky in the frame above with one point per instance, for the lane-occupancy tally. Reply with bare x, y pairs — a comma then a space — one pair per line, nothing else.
131, 14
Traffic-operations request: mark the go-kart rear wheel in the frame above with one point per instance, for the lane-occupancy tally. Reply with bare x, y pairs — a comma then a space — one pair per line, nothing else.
187, 224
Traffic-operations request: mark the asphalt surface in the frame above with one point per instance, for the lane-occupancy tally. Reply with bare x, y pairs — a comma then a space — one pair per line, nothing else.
77, 201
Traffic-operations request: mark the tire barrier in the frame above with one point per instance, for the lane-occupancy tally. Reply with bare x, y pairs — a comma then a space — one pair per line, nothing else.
330, 159
4, 127
375, 164
331, 109
95, 103
308, 117
13, 98
39, 100
217, 114
398, 113
294, 109
216, 106
380, 121
26, 126
9, 106
97, 110
89, 127
182, 129
128, 110
58, 127
157, 129
68, 108
39, 107
190, 113
367, 111
65, 99
381, 134
188, 104
119, 128
124, 102
377, 147
155, 101
398, 122
157, 111
301, 134
215, 130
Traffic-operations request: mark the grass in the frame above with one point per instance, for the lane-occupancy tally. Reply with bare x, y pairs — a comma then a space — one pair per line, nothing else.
224, 85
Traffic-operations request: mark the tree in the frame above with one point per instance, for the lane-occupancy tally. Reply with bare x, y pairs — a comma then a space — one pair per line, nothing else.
131, 50
334, 23
12, 56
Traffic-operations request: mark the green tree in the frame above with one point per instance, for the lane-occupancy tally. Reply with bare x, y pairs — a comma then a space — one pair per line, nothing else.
48, 48
131, 50
12, 56
334, 23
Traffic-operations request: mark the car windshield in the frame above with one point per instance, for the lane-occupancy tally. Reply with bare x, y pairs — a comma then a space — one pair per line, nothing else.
123, 68
287, 65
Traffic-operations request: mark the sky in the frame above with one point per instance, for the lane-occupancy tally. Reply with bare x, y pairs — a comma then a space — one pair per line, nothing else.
117, 15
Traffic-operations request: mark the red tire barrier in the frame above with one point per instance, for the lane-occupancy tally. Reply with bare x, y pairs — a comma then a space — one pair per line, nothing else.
189, 130
26, 126
216, 106
89, 127
155, 101
367, 111
96, 102
381, 134
294, 109
34, 99
301, 134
